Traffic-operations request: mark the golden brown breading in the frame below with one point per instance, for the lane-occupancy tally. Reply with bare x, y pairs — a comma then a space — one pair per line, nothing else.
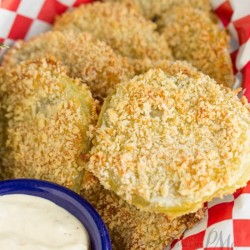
130, 228
193, 37
2, 136
154, 9
171, 67
89, 59
48, 115
120, 26
170, 142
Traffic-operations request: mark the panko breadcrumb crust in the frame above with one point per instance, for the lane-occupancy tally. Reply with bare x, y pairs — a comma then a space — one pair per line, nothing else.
84, 57
48, 115
130, 228
171, 67
120, 25
2, 136
194, 37
168, 143
155, 9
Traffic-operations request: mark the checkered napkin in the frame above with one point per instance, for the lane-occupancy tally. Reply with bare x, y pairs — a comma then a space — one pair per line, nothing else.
235, 16
226, 225
23, 19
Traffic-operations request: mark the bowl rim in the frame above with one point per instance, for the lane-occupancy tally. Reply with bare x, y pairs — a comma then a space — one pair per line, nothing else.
20, 185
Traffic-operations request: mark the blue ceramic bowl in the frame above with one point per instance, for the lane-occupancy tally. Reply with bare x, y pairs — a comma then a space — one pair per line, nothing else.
66, 199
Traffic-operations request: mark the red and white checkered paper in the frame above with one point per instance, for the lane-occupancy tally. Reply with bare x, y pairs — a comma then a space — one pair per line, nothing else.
23, 19
226, 225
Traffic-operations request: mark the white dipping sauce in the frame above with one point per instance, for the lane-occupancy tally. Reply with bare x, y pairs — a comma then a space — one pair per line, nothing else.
33, 223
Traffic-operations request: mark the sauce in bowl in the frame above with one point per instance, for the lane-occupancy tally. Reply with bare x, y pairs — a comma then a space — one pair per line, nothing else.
29, 222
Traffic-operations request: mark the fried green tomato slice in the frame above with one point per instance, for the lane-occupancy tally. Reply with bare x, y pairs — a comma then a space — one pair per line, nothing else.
130, 228
84, 57
193, 37
48, 117
170, 142
120, 26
